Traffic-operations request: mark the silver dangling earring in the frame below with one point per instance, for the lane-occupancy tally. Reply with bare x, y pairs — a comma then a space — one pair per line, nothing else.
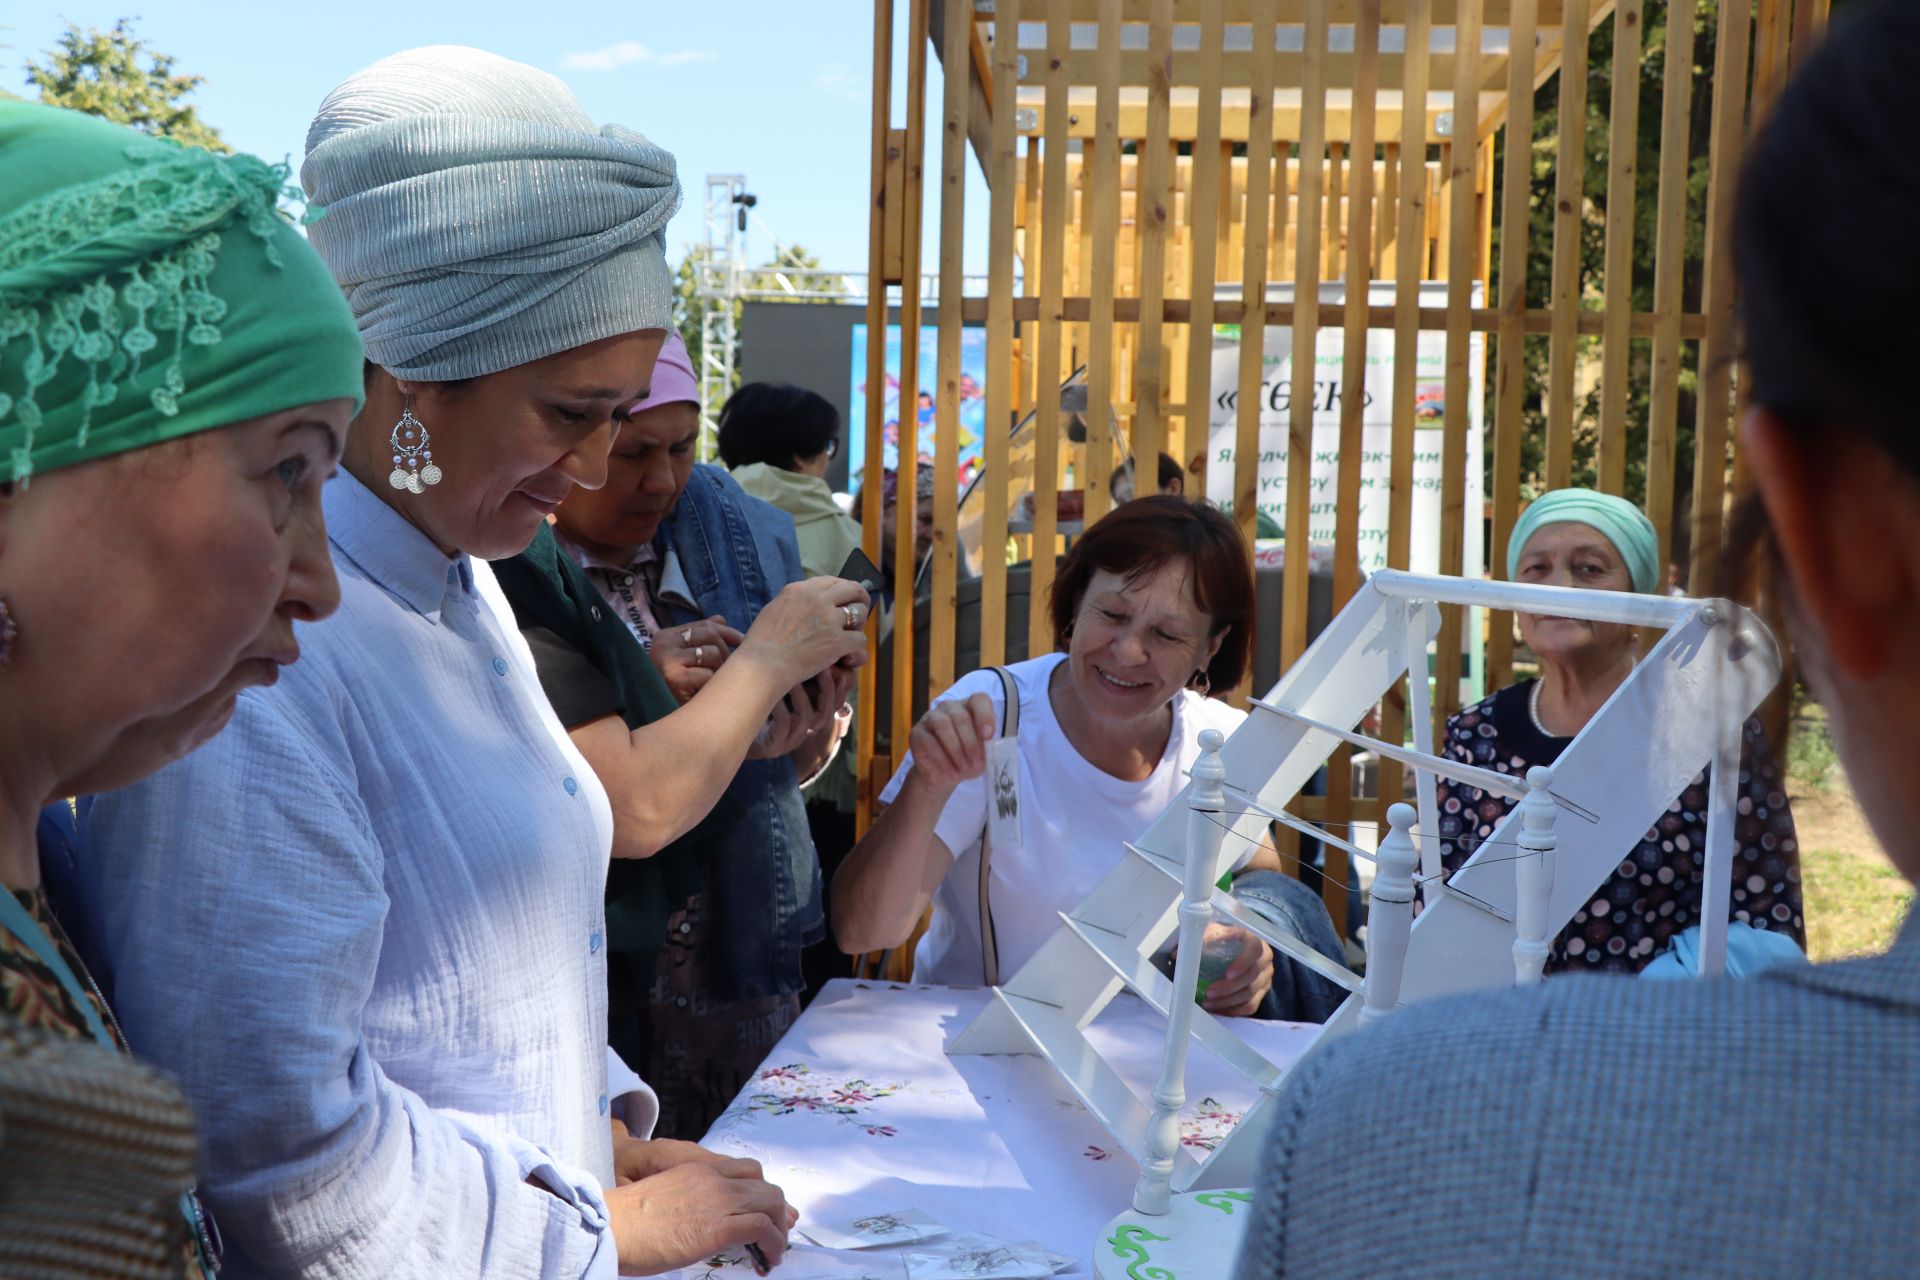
412, 446
1205, 683
8, 634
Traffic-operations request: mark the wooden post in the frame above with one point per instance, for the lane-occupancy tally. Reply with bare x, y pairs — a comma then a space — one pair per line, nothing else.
958, 20
1663, 402
1463, 252
1389, 917
1000, 365
1717, 348
906, 564
876, 394
1254, 273
1054, 216
1306, 335
1410, 254
1533, 878
1155, 216
1569, 196
1203, 204
1509, 424
1616, 350
1353, 395
1097, 476
1205, 802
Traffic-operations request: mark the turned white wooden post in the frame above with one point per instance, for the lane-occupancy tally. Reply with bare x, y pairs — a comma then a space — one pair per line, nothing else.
1205, 801
1533, 878
1389, 915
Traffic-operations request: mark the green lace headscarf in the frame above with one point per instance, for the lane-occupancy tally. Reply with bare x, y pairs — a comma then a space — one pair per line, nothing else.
150, 291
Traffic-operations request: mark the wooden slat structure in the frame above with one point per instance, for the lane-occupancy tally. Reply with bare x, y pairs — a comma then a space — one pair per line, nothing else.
1160, 168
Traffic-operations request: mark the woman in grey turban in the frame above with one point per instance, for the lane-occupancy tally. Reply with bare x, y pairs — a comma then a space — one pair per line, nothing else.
368, 918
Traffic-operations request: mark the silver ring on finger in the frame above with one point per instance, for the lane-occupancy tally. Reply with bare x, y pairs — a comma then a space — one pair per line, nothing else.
853, 616
699, 654
686, 637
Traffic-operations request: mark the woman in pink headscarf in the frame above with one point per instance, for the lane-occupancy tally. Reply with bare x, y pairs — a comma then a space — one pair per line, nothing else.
685, 561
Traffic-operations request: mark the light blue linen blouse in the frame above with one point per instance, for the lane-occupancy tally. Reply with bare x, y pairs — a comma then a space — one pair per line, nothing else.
364, 927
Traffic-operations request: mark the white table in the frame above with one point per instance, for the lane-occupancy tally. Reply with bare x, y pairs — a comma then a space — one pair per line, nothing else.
858, 1110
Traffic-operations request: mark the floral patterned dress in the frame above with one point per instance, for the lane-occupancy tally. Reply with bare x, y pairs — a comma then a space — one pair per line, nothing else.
90, 1231
1654, 894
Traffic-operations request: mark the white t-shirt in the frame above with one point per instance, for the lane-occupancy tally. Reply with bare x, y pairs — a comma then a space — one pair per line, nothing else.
1074, 819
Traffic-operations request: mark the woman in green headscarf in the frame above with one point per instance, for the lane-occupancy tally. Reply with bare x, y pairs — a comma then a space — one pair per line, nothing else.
1599, 542
177, 370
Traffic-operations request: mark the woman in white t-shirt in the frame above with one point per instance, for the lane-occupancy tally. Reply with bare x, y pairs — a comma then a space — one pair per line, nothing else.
1154, 607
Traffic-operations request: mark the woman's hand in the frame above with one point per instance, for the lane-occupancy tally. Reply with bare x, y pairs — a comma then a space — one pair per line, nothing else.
1238, 992
694, 1210
809, 627
686, 656
637, 1158
949, 744
805, 713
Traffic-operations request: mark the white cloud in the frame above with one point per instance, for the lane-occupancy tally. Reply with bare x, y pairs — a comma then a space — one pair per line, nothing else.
838, 80
627, 52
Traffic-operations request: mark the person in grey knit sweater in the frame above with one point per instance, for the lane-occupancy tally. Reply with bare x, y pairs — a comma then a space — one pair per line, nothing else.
1756, 1128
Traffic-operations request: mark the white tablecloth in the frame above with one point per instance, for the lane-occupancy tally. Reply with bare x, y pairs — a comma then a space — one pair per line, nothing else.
859, 1110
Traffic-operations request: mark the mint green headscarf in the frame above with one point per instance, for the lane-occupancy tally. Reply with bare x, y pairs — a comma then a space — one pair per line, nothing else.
149, 291
1616, 519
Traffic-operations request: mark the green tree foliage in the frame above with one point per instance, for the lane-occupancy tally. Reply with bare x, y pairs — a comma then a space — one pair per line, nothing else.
1645, 198
117, 76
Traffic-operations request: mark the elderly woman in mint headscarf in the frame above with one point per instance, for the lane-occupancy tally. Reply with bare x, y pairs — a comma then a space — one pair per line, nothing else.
365, 928
176, 376
1648, 913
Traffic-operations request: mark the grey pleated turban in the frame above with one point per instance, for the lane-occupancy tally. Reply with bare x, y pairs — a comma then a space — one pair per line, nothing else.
478, 220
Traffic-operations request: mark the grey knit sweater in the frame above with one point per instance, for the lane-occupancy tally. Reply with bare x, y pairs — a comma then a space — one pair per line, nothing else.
1598, 1126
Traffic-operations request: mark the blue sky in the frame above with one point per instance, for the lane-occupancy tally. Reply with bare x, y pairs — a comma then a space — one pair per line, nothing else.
778, 92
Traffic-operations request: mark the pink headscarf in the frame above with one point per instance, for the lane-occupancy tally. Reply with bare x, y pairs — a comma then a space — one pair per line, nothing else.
673, 378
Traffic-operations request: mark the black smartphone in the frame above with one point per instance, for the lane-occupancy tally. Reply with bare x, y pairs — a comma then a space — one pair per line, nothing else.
859, 568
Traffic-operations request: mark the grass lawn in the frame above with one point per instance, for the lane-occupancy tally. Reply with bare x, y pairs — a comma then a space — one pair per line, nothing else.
1855, 900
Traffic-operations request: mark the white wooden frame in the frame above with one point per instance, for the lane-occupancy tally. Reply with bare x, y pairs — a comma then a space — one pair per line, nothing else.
1682, 708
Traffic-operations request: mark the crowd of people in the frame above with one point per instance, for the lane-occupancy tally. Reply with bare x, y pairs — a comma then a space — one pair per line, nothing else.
449, 805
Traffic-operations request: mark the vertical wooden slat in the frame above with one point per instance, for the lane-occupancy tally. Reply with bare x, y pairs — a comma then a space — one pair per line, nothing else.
1253, 276
1204, 203
1569, 194
1330, 261
1717, 347
1000, 366
958, 24
1663, 402
1387, 222
1409, 253
905, 563
1106, 218
1155, 217
1306, 334
1509, 424
1054, 216
1623, 144
876, 393
1353, 395
1463, 250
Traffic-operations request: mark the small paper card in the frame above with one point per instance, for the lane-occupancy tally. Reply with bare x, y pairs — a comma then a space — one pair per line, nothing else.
978, 1258
905, 1226
1003, 793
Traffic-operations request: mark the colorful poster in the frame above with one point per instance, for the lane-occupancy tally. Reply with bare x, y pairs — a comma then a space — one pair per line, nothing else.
973, 403
1430, 411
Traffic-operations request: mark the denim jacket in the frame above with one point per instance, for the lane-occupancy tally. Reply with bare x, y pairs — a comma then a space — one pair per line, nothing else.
734, 553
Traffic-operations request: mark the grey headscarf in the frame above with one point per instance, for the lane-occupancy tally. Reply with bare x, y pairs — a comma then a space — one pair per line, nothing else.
478, 220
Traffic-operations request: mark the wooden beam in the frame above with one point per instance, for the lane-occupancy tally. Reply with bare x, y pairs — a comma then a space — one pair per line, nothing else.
1054, 216
1536, 322
1254, 270
1001, 375
1623, 144
1204, 205
1509, 424
1105, 194
954, 141
1156, 210
1306, 334
913, 167
1235, 71
876, 392
1463, 250
1663, 403
1569, 199
1184, 113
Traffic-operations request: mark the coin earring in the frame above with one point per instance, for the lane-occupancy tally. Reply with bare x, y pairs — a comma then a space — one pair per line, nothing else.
8, 634
412, 453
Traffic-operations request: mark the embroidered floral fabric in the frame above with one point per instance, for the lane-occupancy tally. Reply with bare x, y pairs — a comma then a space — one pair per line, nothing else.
1655, 892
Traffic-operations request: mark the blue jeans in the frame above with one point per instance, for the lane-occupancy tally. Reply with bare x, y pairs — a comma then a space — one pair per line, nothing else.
1299, 994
